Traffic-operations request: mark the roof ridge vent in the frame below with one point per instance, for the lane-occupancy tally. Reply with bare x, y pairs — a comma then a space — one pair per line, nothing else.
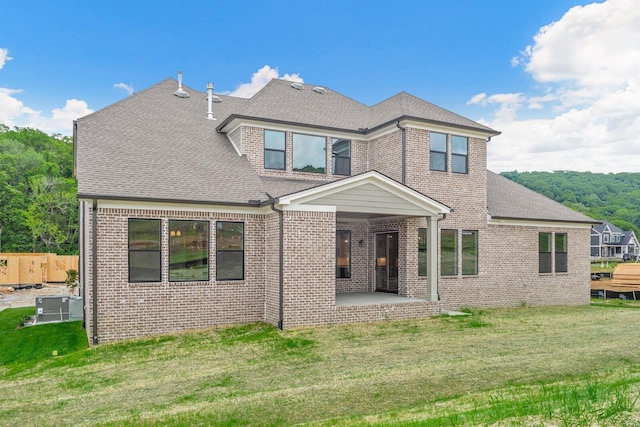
320, 90
180, 93
297, 85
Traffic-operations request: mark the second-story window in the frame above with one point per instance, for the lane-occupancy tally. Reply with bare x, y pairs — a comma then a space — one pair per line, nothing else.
309, 153
274, 150
341, 156
459, 156
438, 151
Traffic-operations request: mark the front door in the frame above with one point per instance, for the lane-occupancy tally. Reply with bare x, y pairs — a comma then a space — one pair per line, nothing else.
386, 250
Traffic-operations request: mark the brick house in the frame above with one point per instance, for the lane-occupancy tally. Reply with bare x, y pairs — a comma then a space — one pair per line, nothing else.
299, 207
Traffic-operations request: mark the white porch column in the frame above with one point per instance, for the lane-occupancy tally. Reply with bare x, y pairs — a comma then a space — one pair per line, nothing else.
432, 253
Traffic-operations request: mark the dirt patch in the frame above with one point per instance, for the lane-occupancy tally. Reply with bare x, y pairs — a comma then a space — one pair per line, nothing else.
12, 298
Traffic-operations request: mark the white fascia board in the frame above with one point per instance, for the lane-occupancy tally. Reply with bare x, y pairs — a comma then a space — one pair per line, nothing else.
184, 207
389, 128
235, 123
309, 208
452, 129
370, 177
540, 223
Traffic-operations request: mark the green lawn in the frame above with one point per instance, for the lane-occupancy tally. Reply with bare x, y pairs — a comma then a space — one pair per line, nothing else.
525, 366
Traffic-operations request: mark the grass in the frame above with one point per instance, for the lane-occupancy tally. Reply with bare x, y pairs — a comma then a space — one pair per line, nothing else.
528, 366
21, 347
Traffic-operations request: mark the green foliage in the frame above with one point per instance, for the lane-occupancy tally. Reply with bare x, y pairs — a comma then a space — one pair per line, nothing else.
72, 279
38, 203
613, 197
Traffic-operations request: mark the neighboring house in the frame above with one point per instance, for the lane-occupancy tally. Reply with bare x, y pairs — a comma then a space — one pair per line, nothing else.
299, 207
609, 241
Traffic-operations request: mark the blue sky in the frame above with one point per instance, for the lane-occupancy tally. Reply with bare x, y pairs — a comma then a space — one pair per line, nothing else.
557, 77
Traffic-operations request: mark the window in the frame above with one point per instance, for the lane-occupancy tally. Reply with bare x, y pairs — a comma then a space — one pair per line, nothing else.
343, 254
438, 151
605, 238
188, 251
341, 156
459, 146
229, 250
144, 250
309, 153
544, 252
469, 252
422, 252
274, 150
561, 253
449, 252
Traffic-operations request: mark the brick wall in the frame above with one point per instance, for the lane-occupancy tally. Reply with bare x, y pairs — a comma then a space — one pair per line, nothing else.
253, 148
508, 267
309, 265
136, 309
272, 268
466, 194
385, 155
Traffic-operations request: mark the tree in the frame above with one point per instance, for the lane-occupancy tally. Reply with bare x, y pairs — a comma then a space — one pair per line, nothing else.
48, 210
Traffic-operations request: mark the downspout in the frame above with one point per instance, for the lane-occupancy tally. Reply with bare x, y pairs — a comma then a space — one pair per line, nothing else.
82, 273
94, 267
281, 266
404, 152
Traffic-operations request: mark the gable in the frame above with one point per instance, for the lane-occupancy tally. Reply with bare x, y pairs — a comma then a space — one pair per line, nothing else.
371, 193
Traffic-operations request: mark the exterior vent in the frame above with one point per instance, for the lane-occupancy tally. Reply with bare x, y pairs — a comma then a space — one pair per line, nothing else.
210, 101
320, 90
216, 99
180, 93
297, 85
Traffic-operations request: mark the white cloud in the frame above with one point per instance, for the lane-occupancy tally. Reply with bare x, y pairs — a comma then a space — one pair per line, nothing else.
61, 119
127, 88
585, 67
13, 112
4, 57
508, 104
259, 79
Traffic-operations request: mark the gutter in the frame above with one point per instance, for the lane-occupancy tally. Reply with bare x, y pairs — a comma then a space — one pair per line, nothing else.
251, 203
280, 263
404, 152
94, 267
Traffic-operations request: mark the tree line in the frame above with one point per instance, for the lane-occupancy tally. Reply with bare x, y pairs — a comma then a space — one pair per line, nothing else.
38, 194
613, 197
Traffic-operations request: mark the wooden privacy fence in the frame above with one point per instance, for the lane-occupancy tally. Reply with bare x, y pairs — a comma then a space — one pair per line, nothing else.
33, 269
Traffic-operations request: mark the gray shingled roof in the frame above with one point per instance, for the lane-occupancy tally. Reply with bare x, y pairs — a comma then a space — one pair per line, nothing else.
600, 227
508, 199
279, 101
278, 187
154, 145
407, 105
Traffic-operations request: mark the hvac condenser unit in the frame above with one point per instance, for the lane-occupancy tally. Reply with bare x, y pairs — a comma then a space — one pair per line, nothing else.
58, 308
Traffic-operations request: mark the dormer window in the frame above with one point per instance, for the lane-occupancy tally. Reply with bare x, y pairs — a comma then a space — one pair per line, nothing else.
274, 150
341, 154
309, 153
